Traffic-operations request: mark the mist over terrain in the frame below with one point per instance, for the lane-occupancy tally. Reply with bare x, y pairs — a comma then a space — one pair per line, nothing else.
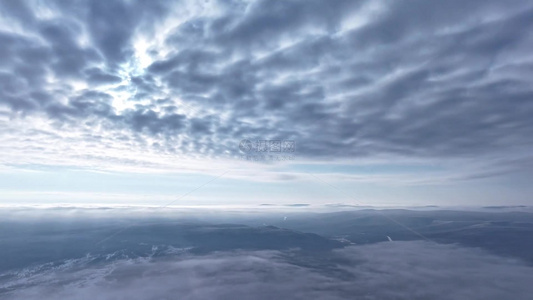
143, 253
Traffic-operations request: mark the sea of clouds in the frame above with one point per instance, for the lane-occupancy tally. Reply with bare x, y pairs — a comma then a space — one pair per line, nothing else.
389, 270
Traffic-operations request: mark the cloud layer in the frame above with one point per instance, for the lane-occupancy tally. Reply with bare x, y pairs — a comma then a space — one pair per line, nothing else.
397, 270
344, 79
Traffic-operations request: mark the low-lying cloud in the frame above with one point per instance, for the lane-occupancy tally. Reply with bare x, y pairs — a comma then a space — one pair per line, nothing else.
390, 270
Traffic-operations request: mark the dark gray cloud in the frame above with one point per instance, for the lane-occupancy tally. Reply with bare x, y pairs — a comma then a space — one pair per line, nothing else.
397, 270
344, 78
97, 76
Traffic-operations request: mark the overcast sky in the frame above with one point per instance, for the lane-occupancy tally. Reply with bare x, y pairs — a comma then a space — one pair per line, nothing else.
249, 102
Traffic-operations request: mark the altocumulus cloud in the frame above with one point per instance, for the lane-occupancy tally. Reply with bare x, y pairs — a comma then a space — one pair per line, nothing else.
344, 78
398, 270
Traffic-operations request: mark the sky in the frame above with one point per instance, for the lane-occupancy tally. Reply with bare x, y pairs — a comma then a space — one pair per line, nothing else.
252, 102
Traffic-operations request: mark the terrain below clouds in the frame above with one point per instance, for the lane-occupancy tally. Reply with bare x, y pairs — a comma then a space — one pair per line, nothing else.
128, 254
399, 270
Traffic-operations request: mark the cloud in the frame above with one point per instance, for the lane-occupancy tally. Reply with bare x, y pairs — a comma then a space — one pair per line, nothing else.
346, 79
391, 270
